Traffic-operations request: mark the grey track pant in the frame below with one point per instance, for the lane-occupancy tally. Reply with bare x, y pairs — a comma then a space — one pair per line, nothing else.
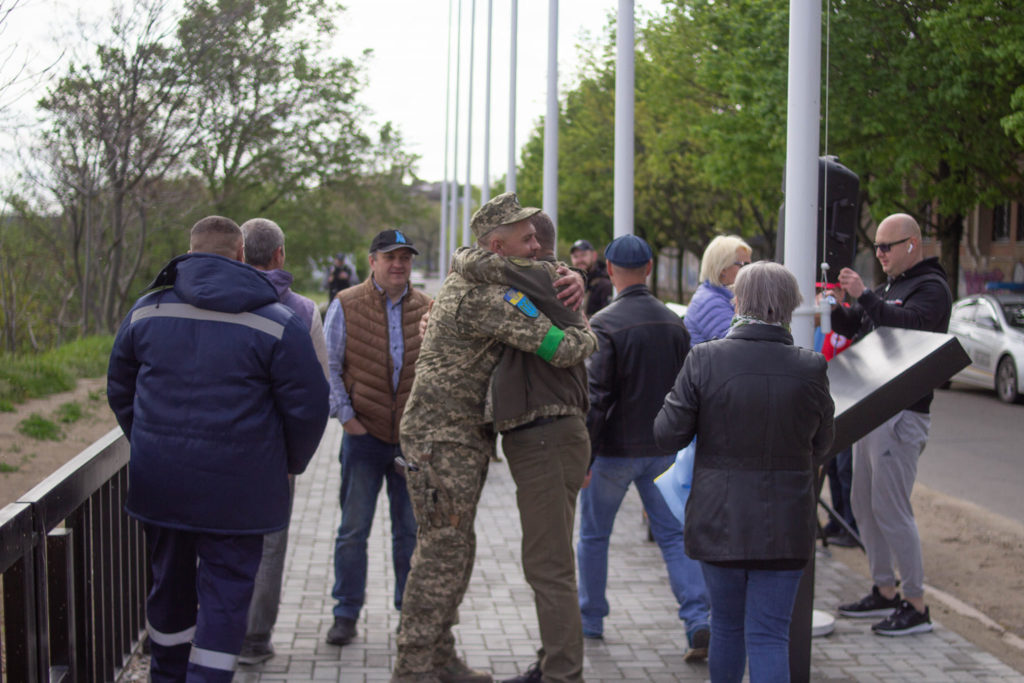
884, 469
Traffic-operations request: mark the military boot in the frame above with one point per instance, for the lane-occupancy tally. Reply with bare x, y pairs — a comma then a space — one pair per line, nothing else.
429, 677
456, 671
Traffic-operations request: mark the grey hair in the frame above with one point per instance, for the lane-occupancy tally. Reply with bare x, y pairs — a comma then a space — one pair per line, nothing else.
719, 255
767, 291
262, 238
545, 231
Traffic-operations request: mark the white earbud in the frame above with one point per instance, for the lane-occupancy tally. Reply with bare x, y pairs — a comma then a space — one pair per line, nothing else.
910, 247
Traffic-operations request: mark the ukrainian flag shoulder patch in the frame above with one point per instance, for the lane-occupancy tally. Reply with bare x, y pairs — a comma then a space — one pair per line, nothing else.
521, 302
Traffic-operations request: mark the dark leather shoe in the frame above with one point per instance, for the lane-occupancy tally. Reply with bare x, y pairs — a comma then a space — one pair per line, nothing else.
343, 631
532, 675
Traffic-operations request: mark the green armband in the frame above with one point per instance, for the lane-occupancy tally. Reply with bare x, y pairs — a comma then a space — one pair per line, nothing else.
550, 343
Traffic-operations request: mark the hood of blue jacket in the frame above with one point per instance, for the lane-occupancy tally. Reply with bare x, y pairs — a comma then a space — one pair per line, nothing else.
216, 283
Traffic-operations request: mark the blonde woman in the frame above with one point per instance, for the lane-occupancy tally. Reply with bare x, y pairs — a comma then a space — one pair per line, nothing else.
710, 311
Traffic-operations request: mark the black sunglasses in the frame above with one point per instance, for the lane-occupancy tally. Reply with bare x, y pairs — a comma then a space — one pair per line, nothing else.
885, 247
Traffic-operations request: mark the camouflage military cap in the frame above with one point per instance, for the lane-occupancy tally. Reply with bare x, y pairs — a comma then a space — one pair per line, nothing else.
501, 210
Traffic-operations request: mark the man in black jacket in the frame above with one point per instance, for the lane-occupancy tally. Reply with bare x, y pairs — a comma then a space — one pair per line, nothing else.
599, 287
915, 296
641, 347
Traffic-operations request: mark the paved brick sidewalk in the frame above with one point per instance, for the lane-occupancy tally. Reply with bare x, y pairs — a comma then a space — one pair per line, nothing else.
644, 641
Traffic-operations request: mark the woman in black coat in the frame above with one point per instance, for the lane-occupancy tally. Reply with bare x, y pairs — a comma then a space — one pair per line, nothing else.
763, 414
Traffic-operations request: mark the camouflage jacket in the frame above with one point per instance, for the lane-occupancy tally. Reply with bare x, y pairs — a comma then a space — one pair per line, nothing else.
470, 325
523, 386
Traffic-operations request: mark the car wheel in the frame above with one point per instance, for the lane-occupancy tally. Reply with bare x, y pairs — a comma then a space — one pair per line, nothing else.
1006, 381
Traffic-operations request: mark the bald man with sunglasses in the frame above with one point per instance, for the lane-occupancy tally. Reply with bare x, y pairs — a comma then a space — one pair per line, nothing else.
915, 296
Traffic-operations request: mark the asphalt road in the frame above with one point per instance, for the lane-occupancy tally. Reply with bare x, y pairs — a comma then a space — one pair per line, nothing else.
975, 450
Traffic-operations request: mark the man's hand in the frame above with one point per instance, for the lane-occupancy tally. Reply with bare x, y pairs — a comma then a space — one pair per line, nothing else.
570, 287
851, 282
425, 319
354, 427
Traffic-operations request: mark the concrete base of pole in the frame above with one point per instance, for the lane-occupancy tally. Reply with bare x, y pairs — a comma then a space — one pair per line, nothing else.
822, 623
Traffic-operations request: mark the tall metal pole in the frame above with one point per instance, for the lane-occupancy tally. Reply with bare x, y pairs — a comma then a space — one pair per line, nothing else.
550, 201
799, 255
467, 190
804, 110
453, 195
485, 187
510, 183
442, 251
624, 79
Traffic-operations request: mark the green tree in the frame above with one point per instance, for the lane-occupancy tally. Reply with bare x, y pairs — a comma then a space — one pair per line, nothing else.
276, 116
116, 127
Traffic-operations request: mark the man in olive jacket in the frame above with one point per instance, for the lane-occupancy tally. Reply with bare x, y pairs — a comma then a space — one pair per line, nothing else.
540, 410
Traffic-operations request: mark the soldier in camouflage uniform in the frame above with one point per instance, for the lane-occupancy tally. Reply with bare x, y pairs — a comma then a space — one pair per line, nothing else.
448, 442
541, 411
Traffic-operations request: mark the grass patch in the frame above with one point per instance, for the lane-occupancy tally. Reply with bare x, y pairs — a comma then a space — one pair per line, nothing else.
6, 469
34, 376
87, 357
35, 426
6, 406
69, 413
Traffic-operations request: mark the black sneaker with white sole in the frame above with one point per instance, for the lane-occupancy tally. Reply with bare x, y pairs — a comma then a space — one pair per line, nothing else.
870, 606
905, 621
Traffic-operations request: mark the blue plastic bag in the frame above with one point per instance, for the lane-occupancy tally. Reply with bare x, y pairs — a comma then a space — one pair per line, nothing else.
674, 483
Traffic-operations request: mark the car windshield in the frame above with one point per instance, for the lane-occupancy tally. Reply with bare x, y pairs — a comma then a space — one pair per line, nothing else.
1014, 313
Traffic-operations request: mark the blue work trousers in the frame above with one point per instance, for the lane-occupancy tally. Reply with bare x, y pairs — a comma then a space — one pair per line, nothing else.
197, 605
366, 462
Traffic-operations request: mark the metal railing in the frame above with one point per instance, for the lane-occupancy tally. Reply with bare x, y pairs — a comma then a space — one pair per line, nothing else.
74, 572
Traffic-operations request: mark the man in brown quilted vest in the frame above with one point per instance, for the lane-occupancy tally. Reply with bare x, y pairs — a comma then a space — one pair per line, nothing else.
373, 341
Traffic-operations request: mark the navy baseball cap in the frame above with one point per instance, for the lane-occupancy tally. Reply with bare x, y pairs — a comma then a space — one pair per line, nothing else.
628, 251
389, 240
581, 244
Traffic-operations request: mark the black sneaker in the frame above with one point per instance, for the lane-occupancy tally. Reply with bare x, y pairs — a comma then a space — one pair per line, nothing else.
342, 632
532, 675
905, 621
844, 539
873, 605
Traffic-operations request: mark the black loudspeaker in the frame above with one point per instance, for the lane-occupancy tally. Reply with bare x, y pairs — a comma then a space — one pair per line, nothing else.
838, 212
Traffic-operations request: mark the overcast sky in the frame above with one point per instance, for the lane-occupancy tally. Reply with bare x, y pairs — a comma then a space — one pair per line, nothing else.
407, 73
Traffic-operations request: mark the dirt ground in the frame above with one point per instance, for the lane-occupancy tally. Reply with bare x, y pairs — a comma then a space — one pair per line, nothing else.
971, 554
34, 459
976, 557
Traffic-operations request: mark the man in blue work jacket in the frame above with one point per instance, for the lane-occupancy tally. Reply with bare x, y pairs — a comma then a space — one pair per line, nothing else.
218, 389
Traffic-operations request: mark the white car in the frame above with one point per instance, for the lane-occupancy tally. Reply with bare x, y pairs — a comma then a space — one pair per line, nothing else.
991, 329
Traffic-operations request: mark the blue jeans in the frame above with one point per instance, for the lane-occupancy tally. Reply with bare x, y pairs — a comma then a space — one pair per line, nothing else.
599, 503
752, 613
366, 461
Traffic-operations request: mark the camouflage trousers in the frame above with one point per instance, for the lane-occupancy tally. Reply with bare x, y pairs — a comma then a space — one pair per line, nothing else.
444, 482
